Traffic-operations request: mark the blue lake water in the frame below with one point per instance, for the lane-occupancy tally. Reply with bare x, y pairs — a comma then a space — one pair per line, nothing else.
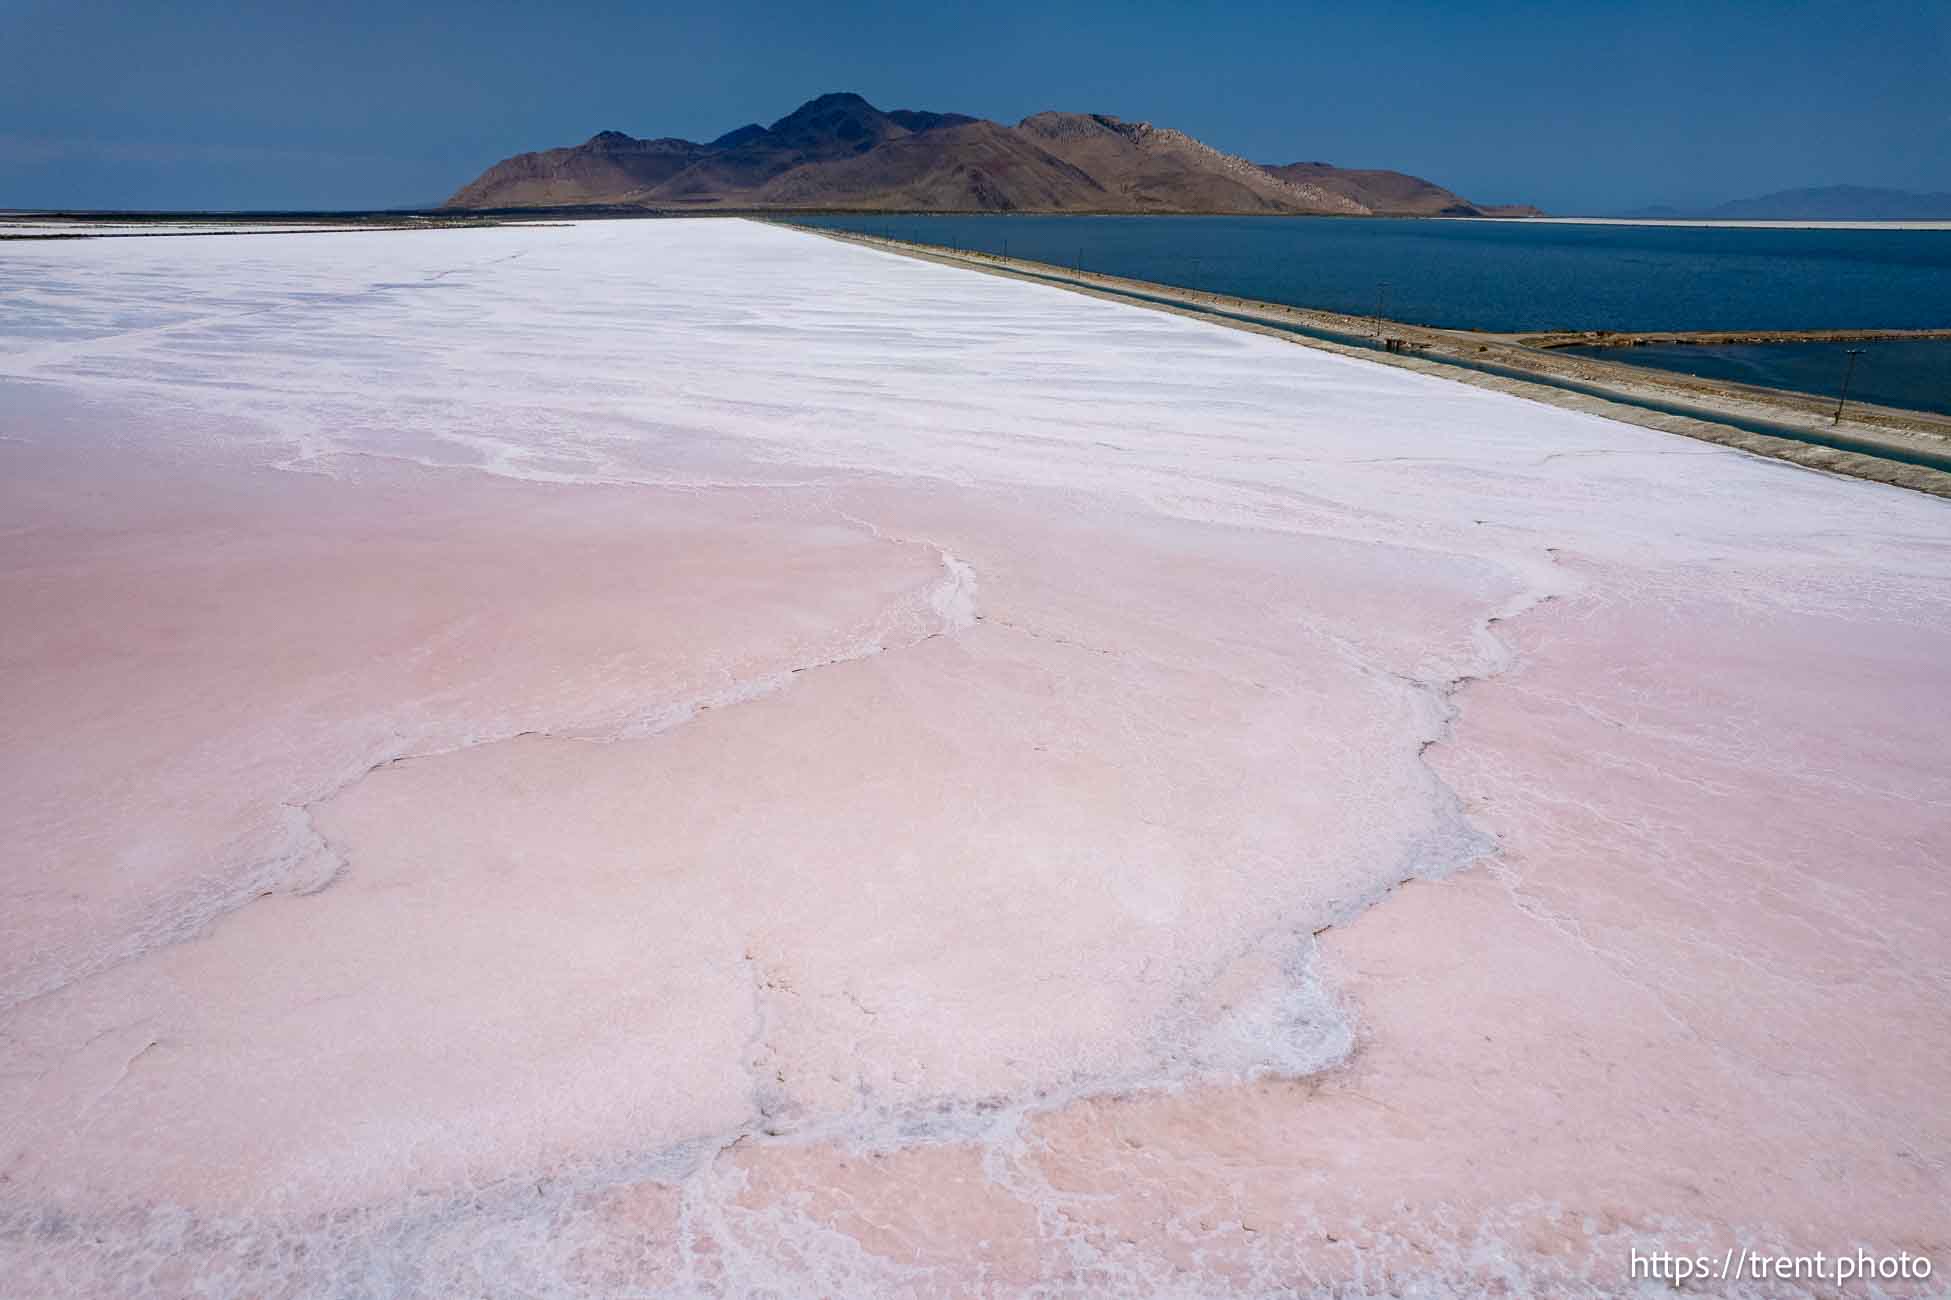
1912, 373
1503, 276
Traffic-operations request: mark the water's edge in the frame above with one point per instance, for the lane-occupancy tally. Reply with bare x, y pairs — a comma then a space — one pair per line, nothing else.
1763, 435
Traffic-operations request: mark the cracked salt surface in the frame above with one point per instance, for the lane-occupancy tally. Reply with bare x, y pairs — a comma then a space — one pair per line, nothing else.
1025, 727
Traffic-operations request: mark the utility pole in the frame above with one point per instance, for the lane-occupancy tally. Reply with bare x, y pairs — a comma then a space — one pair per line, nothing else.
1849, 372
1381, 305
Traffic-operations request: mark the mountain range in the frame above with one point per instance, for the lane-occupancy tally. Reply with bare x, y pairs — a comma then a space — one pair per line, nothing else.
840, 152
1823, 203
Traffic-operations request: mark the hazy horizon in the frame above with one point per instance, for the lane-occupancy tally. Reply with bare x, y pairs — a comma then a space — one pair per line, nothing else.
1603, 110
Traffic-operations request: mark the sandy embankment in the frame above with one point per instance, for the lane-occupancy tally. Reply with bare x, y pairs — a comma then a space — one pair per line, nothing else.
694, 786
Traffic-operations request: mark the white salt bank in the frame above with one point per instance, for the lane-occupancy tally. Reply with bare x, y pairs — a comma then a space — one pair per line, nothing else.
688, 758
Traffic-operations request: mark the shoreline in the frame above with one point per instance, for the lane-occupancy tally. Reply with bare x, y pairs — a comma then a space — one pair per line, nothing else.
621, 211
1885, 436
1719, 338
1708, 223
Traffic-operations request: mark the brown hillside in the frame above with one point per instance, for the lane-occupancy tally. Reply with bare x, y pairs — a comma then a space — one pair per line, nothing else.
976, 167
1145, 168
1395, 194
839, 151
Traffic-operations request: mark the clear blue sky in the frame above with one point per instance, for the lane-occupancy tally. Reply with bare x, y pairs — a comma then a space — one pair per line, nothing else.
1580, 107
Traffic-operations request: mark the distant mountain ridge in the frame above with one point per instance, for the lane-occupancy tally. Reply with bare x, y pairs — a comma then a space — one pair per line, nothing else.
1821, 203
840, 152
